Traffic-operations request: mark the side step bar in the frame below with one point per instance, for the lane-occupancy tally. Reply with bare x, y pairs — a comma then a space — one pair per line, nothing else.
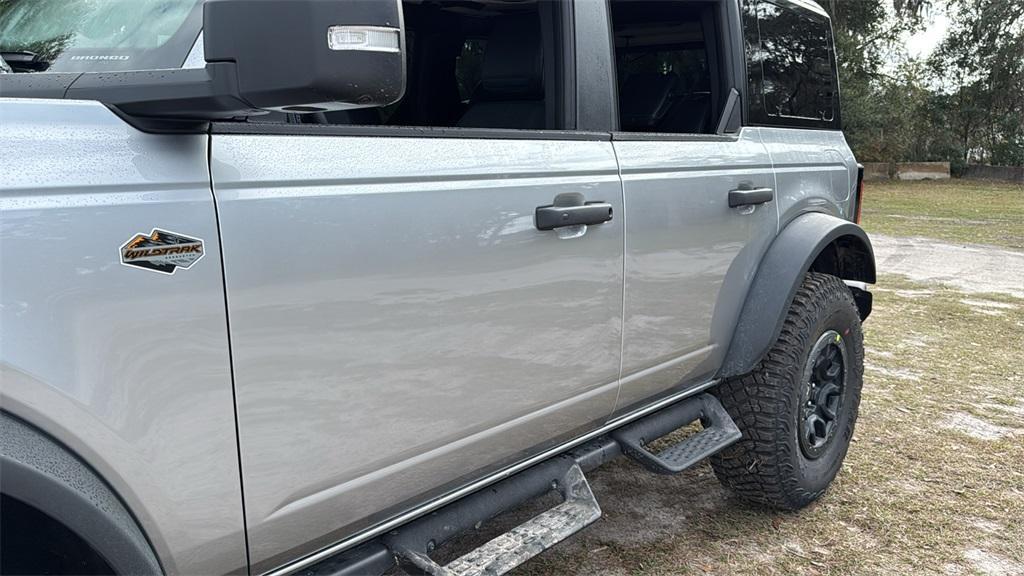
413, 544
719, 432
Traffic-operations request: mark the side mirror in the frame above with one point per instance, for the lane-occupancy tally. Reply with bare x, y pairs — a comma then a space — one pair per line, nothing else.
309, 55
279, 55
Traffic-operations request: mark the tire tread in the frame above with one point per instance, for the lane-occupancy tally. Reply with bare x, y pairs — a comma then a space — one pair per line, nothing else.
760, 467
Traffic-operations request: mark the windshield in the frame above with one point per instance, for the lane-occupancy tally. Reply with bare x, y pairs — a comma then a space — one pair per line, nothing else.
97, 35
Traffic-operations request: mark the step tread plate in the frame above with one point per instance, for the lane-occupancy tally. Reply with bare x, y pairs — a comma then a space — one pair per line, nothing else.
720, 433
578, 510
525, 541
691, 450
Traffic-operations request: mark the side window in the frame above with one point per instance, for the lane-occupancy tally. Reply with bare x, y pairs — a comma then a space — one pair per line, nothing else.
475, 68
664, 57
791, 66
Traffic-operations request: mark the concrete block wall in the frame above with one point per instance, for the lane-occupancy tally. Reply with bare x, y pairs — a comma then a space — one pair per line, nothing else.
1004, 173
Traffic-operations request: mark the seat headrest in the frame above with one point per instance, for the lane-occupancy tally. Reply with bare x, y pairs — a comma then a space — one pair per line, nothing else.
513, 67
645, 98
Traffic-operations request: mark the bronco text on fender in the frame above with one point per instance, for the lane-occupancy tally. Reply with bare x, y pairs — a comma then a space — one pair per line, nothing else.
316, 286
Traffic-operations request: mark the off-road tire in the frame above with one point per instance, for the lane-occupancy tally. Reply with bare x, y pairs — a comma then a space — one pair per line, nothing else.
768, 464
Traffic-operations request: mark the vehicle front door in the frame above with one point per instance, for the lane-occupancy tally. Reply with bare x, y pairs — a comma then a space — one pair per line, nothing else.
399, 324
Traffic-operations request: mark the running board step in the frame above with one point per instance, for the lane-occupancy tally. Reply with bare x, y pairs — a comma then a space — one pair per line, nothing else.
719, 432
412, 544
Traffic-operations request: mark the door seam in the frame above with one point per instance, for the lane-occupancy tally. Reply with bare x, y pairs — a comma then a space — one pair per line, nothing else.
231, 354
622, 316
775, 180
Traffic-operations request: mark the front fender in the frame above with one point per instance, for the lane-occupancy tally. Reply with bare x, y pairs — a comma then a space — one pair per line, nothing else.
44, 475
811, 241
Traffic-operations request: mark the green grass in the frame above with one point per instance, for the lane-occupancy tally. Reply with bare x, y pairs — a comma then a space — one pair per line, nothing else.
959, 211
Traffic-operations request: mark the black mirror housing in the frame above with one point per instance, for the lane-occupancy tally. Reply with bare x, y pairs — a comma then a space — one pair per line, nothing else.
262, 55
309, 55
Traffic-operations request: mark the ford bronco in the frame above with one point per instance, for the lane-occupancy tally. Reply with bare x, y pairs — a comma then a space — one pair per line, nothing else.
316, 286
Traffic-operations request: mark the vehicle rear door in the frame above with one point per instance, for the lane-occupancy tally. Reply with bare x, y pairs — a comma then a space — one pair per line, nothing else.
691, 250
399, 324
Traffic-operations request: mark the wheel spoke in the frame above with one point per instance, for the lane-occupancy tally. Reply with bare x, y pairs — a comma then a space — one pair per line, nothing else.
833, 351
821, 366
814, 427
831, 406
823, 400
809, 436
833, 371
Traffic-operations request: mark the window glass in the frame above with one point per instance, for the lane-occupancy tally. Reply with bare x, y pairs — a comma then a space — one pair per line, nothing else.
796, 63
97, 35
470, 68
662, 62
691, 65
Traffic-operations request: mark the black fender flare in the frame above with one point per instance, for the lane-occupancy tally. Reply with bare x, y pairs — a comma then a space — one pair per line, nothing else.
812, 241
45, 475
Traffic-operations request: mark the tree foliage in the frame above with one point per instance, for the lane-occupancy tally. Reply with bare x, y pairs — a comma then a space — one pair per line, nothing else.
982, 61
963, 104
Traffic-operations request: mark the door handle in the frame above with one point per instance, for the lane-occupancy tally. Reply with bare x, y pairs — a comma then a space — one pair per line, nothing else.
551, 217
750, 197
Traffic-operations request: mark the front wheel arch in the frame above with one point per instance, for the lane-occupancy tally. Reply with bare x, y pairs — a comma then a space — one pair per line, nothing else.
44, 475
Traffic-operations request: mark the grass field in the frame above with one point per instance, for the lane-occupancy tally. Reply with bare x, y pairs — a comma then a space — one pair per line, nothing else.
934, 480
952, 210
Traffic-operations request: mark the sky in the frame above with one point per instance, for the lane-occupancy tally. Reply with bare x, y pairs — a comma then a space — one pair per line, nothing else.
923, 43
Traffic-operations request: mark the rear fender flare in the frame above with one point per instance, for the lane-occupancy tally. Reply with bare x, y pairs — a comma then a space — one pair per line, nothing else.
812, 241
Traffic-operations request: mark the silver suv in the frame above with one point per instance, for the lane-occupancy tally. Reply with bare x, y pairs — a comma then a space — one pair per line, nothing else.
315, 286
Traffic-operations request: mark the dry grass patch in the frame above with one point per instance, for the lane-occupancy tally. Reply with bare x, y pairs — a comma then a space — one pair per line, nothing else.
954, 210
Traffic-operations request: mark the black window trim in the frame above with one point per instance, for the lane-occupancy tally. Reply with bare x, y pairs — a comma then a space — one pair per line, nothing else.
619, 136
597, 98
341, 130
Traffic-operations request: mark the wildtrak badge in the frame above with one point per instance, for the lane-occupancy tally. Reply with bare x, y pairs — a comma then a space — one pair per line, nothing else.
161, 251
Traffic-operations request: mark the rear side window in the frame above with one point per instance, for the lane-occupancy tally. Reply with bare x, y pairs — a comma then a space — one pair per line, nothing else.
791, 65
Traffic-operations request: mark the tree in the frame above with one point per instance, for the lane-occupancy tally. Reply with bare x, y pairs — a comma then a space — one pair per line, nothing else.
981, 65
876, 104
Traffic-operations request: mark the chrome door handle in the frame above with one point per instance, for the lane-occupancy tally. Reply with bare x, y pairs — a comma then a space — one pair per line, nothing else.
551, 217
750, 197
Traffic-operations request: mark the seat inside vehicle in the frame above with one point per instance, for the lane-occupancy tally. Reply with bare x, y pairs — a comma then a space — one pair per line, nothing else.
474, 64
646, 98
510, 93
666, 59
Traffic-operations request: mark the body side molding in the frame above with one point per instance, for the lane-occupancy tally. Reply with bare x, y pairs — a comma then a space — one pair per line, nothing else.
813, 241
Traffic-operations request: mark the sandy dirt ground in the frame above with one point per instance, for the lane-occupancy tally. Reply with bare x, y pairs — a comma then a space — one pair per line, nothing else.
971, 268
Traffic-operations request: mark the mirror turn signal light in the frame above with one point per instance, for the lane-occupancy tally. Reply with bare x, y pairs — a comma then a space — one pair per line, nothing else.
364, 38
